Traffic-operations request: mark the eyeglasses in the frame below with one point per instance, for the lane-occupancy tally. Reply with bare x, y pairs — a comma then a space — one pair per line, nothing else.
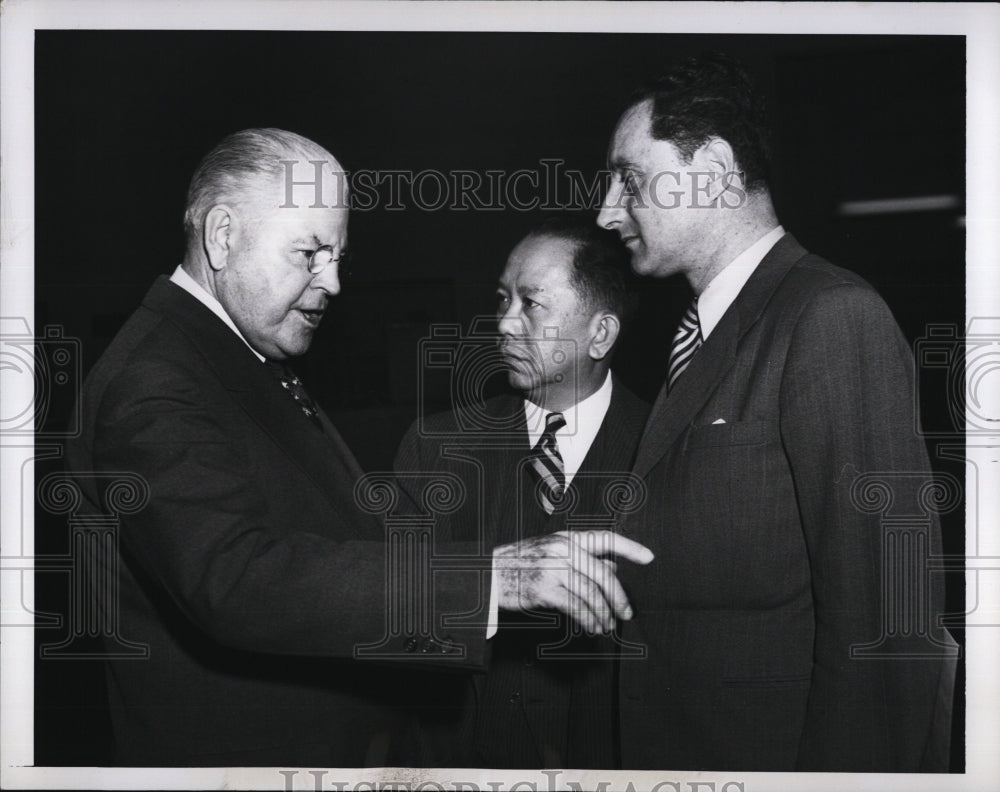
322, 257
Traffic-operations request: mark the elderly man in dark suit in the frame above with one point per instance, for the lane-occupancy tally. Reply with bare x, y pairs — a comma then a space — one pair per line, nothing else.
548, 456
773, 640
252, 575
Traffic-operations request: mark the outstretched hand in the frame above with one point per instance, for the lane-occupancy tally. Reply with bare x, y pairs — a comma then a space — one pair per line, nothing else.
568, 571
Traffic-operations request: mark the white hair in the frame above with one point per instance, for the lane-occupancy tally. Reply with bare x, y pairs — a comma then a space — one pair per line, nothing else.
236, 168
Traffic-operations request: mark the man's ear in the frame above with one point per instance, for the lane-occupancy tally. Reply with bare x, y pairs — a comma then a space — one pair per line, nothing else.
717, 159
216, 236
604, 330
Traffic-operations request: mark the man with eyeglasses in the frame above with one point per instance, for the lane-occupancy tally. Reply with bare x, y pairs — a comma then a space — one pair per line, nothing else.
248, 560
251, 574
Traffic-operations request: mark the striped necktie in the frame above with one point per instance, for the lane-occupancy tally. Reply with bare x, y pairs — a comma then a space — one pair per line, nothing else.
293, 385
686, 343
547, 464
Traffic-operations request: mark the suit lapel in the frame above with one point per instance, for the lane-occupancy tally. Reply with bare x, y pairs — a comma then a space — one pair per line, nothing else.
612, 450
505, 475
674, 411
322, 456
614, 443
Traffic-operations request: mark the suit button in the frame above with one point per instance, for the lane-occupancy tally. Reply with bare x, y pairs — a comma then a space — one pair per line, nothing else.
410, 645
429, 646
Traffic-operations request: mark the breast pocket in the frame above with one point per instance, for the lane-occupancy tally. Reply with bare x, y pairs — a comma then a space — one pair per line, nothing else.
737, 498
732, 434
728, 470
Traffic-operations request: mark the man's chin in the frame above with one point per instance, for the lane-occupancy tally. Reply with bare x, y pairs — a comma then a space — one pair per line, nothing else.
642, 264
295, 347
520, 381
650, 267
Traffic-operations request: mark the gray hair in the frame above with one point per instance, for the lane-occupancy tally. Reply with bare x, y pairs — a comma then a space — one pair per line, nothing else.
239, 165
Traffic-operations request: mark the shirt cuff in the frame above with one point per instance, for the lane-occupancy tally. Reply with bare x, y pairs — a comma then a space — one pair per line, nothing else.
493, 624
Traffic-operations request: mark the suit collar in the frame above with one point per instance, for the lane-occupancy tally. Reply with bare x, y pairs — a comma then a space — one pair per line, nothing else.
674, 411
323, 456
220, 346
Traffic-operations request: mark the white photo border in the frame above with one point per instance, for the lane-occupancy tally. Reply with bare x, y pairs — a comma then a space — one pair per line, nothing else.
978, 23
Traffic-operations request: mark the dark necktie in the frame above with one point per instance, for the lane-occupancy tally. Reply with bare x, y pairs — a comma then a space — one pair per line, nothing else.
686, 342
547, 464
293, 385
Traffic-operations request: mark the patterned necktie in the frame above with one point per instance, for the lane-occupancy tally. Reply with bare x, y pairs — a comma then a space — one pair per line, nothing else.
547, 464
293, 385
686, 343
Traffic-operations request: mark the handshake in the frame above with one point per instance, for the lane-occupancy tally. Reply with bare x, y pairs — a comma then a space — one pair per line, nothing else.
568, 571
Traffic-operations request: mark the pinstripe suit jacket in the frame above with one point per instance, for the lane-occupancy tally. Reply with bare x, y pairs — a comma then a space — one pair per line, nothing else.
765, 612
251, 575
532, 708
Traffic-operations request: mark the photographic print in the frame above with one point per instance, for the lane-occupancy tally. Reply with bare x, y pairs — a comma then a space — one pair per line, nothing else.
499, 396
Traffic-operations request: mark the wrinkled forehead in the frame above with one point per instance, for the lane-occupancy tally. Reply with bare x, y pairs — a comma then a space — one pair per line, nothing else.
296, 182
307, 203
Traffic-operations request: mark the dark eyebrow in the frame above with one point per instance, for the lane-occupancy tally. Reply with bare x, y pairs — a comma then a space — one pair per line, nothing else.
622, 164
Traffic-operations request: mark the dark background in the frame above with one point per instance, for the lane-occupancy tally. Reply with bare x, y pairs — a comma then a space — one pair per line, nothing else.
122, 118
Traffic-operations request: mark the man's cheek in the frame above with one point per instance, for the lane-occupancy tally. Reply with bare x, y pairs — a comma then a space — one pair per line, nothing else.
665, 190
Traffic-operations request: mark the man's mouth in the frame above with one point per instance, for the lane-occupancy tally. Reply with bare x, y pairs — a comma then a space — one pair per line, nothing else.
312, 316
512, 358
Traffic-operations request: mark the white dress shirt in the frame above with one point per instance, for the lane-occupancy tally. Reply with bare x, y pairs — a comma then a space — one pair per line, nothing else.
724, 288
583, 421
196, 290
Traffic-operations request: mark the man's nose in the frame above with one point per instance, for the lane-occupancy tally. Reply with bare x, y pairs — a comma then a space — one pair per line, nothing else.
328, 280
509, 322
611, 213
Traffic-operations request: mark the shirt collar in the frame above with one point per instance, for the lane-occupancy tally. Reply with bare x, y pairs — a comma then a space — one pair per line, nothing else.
722, 291
580, 418
196, 290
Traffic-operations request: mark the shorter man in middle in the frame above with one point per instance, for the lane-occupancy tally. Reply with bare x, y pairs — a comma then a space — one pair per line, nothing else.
543, 459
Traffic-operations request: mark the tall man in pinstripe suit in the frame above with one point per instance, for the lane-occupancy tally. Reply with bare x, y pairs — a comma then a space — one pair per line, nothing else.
788, 378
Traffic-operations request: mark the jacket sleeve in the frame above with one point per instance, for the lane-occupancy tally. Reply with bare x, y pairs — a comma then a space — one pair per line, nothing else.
224, 556
848, 408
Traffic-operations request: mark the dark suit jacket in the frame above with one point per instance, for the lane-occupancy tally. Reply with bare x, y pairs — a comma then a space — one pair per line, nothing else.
250, 568
554, 710
768, 569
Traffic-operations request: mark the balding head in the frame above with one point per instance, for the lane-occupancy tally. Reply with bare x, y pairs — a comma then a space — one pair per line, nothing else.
249, 165
267, 229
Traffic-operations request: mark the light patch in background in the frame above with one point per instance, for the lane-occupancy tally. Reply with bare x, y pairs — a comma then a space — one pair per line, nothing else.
883, 206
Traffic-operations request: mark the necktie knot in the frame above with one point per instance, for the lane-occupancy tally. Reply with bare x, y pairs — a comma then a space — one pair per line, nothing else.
553, 423
687, 340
